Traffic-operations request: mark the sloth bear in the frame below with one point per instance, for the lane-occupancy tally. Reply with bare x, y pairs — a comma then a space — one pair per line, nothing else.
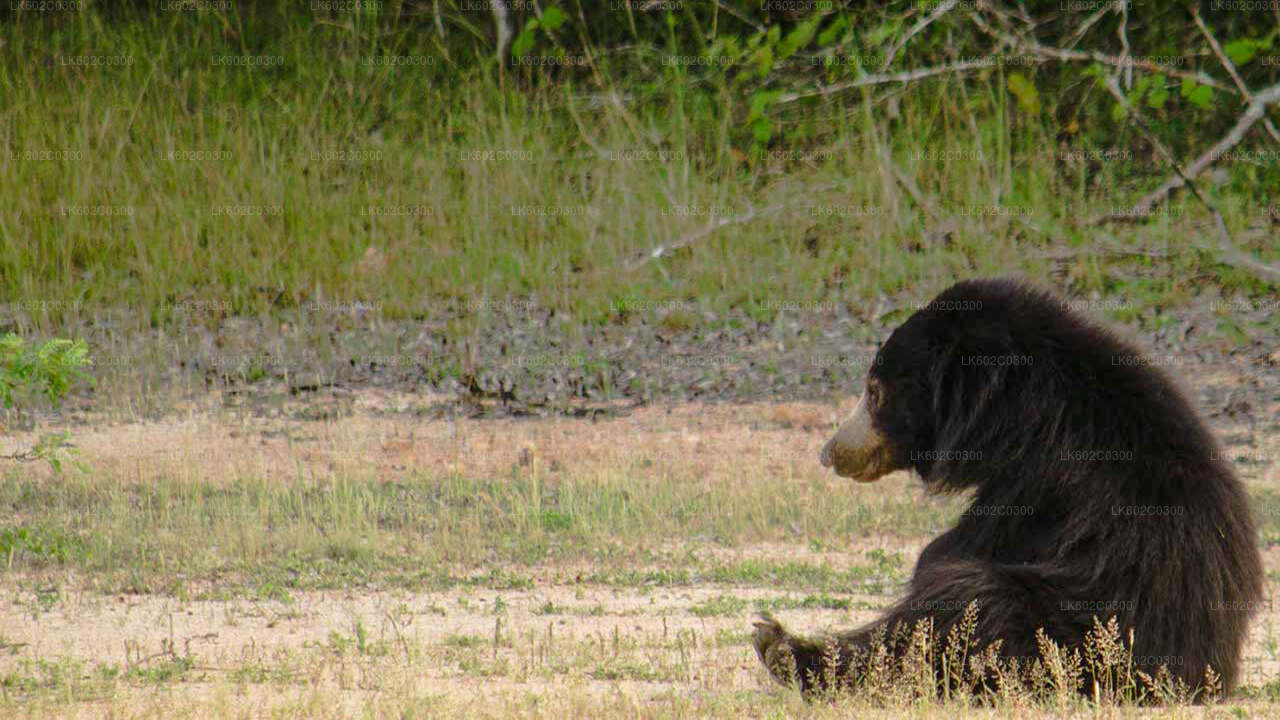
1098, 493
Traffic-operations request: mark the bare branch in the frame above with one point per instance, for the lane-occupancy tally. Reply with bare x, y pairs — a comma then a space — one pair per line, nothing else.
751, 214
734, 12
942, 9
887, 78
1255, 112
1123, 32
1230, 253
1079, 34
1066, 55
907, 182
1028, 46
690, 238
1004, 16
435, 7
502, 25
1231, 69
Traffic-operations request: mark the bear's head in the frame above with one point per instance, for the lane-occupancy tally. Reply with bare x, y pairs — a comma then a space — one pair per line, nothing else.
974, 382
891, 422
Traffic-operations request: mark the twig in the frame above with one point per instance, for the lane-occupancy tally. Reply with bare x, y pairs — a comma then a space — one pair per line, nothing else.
1067, 55
1079, 34
502, 26
1232, 254
1256, 111
693, 237
907, 183
886, 78
1231, 69
1003, 15
732, 11
1123, 32
1096, 248
942, 9
435, 6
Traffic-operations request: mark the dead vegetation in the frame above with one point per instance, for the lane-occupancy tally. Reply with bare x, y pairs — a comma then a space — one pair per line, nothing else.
225, 564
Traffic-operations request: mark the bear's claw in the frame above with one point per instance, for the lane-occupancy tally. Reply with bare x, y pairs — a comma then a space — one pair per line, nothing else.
772, 645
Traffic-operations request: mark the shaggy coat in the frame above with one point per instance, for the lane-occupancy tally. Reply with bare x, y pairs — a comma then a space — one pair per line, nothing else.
1097, 490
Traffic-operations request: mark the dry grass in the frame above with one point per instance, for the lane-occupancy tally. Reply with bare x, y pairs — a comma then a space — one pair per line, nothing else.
661, 534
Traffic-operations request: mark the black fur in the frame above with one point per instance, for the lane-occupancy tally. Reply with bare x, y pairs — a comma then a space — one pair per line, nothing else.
1097, 491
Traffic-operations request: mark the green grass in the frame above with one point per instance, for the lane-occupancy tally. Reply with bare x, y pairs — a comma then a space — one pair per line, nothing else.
185, 187
265, 539
66, 677
726, 605
823, 602
172, 187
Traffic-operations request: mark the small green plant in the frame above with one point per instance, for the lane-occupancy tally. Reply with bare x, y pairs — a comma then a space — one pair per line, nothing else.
549, 608
168, 668
545, 23
47, 597
40, 545
720, 605
49, 370
53, 448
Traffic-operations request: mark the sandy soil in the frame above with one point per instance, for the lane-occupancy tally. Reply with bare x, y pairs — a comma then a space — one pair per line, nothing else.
640, 644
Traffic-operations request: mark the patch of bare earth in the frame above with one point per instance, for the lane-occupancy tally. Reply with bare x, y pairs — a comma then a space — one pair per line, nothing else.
556, 649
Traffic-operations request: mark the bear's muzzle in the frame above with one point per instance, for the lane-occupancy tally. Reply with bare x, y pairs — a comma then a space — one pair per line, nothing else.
858, 450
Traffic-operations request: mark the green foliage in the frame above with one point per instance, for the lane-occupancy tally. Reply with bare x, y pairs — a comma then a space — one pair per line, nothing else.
799, 37
757, 117
549, 21
48, 370
720, 606
571, 136
1025, 91
1243, 50
55, 448
1158, 94
885, 30
40, 545
1199, 95
832, 32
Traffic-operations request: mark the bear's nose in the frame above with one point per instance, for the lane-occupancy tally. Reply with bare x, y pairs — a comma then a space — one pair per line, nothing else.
825, 456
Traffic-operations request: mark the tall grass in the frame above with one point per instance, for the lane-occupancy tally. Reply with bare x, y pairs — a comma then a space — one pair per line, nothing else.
254, 161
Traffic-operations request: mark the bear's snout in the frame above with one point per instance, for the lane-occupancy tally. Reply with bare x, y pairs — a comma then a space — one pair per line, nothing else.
858, 450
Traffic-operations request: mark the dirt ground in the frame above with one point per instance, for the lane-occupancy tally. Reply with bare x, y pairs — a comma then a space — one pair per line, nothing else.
640, 650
